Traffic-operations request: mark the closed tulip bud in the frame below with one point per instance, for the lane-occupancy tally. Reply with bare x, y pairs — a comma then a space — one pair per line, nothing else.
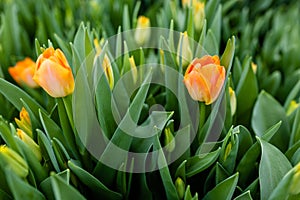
24, 122
254, 67
142, 32
133, 69
106, 65
292, 107
169, 140
180, 187
23, 73
31, 143
53, 73
14, 161
199, 15
204, 79
232, 101
295, 184
184, 50
227, 150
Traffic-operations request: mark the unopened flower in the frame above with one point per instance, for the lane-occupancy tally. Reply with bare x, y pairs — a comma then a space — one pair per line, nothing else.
23, 72
204, 79
106, 65
14, 161
24, 122
184, 50
199, 15
133, 69
31, 143
232, 101
169, 140
254, 67
142, 31
292, 107
53, 73
295, 184
180, 187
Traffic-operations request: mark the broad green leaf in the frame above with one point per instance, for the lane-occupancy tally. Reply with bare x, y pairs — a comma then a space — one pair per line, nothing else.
223, 190
245, 140
246, 93
21, 189
216, 25
199, 163
13, 94
247, 166
210, 10
96, 187
269, 175
267, 111
210, 43
51, 128
63, 190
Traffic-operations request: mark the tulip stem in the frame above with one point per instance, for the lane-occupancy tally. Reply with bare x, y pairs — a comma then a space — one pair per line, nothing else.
202, 115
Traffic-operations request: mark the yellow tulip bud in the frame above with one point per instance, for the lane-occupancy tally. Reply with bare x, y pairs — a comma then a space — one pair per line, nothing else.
199, 15
185, 53
14, 161
169, 140
227, 150
23, 72
53, 73
31, 143
133, 68
24, 122
292, 107
106, 65
295, 185
254, 67
180, 187
232, 101
142, 32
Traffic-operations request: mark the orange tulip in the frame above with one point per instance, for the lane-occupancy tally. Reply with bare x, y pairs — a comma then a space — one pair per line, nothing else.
23, 72
53, 73
204, 79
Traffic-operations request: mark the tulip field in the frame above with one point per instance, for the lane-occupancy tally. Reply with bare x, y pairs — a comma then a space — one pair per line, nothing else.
141, 99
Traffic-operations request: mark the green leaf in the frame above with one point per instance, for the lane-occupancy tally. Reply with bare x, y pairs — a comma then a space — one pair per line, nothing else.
51, 128
246, 93
210, 43
20, 189
267, 111
269, 175
63, 190
201, 162
46, 149
221, 173
245, 196
96, 187
13, 94
120, 138
216, 25
169, 186
223, 190
227, 57
247, 165
210, 9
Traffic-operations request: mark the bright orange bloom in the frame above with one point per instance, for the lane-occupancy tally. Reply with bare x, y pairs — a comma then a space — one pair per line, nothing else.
53, 73
204, 79
23, 72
